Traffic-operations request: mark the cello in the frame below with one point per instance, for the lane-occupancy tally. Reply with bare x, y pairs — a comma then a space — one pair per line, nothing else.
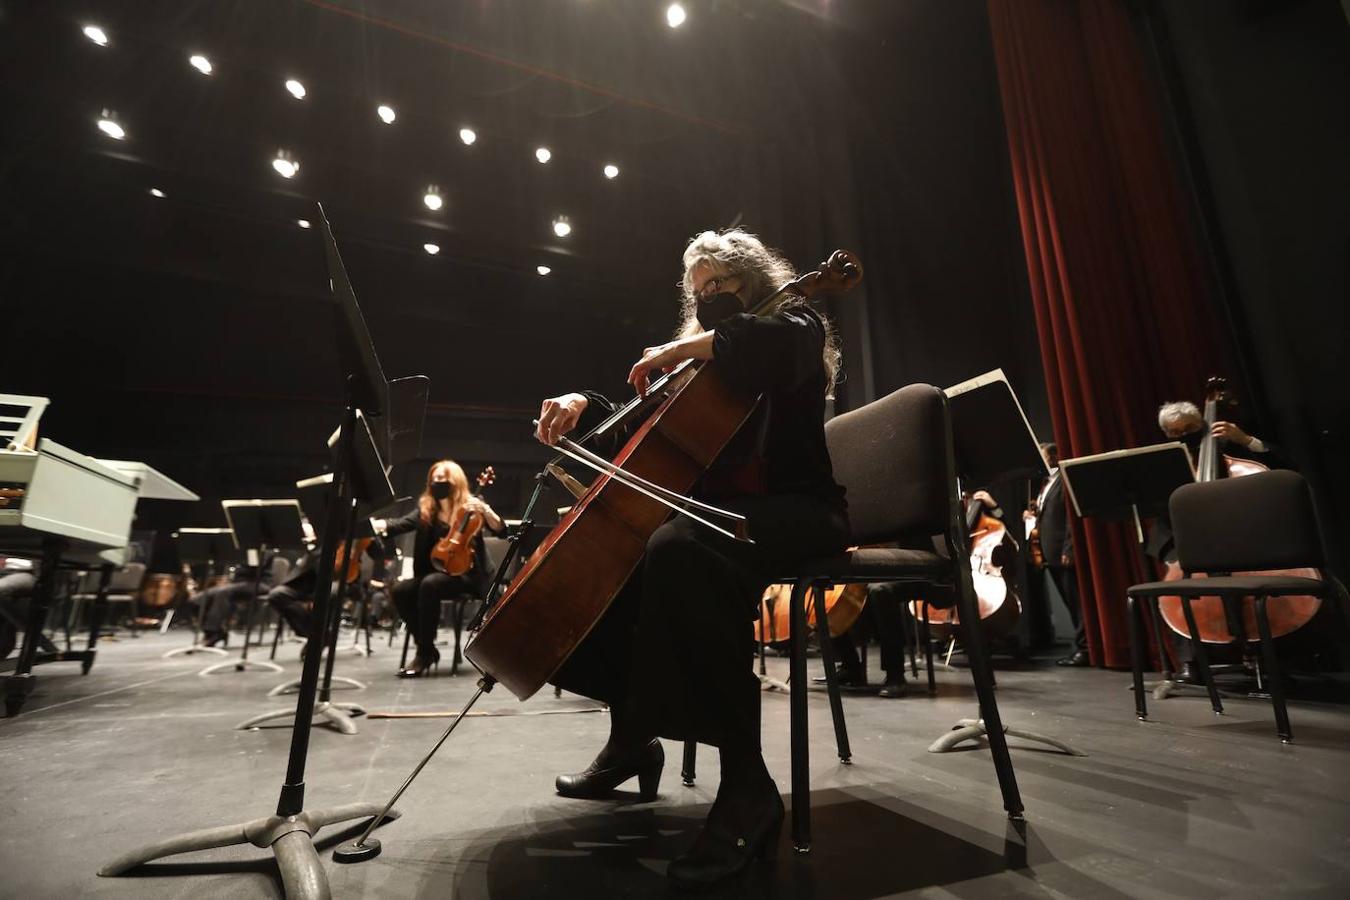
1219, 622
564, 588
990, 551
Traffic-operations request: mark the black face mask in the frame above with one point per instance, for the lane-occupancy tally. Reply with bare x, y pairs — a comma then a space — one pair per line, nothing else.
1193, 440
440, 490
717, 308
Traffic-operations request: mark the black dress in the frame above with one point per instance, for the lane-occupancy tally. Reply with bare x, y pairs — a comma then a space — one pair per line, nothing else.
674, 650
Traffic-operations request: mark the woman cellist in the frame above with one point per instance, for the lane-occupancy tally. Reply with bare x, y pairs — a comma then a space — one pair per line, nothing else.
672, 655
443, 502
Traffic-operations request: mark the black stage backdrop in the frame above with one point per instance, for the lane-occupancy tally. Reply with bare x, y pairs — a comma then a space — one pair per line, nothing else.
191, 331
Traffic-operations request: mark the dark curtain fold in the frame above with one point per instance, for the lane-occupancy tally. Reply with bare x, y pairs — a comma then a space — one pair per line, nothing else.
1120, 297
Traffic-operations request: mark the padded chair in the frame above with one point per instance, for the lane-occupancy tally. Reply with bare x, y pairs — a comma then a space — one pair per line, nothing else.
1258, 522
123, 587
894, 457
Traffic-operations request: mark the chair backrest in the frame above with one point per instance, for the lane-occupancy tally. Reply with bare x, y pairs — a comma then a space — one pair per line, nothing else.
894, 460
126, 580
1264, 521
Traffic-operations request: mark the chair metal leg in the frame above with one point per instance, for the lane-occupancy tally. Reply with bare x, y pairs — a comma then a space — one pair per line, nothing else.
801, 760
403, 660
1136, 657
831, 674
276, 637
928, 649
1201, 657
687, 773
1273, 672
982, 674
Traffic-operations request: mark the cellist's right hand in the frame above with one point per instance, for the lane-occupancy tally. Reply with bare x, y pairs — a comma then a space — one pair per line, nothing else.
559, 415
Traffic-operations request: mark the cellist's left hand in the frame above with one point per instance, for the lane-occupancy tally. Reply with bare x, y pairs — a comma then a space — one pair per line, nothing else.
666, 356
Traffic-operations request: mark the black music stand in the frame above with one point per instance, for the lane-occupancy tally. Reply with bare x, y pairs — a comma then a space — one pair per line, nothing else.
214, 548
289, 831
993, 443
260, 527
1132, 485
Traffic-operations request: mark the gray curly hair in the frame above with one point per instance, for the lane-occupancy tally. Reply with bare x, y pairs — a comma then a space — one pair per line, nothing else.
1178, 409
762, 271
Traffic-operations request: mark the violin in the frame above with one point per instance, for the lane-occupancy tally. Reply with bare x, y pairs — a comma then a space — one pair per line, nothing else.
1221, 622
453, 554
352, 570
564, 588
843, 604
991, 550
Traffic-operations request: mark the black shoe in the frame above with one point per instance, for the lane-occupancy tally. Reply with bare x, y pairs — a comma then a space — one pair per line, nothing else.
600, 780
895, 686
211, 638
422, 664
1190, 673
1077, 661
723, 851
852, 682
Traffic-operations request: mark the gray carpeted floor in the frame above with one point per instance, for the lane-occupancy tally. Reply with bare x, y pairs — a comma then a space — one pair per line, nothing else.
1187, 805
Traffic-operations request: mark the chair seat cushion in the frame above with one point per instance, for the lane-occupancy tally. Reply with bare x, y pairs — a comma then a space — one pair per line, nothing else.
1269, 585
874, 563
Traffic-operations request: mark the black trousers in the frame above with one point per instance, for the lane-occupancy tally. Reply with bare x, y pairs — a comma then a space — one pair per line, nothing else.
218, 604
419, 603
293, 606
884, 616
674, 652
1066, 582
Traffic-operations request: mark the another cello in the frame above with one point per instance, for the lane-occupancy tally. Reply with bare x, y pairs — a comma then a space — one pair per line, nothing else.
1218, 622
991, 549
566, 586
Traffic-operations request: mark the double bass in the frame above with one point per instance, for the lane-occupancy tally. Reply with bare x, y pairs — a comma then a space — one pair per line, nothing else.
1219, 622
564, 588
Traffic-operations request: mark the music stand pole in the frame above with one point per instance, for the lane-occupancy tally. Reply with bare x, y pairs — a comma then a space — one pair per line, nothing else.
339, 715
289, 831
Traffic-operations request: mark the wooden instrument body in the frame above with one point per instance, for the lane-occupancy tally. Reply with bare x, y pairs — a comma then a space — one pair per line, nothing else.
160, 590
1213, 618
843, 604
998, 604
350, 566
454, 553
568, 583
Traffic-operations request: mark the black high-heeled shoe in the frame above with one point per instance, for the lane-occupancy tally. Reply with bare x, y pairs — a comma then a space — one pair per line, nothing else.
421, 664
720, 853
598, 780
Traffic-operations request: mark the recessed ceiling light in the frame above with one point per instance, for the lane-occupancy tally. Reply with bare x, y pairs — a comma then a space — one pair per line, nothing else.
157, 193
543, 154
561, 227
303, 223
386, 113
611, 171
431, 249
432, 198
285, 165
296, 89
675, 15
542, 270
200, 63
96, 34
108, 125
467, 136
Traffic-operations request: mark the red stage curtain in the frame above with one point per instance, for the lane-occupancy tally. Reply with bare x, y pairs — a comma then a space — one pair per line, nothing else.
1120, 297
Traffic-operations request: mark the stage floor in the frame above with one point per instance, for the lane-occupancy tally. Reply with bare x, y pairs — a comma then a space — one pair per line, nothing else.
1186, 805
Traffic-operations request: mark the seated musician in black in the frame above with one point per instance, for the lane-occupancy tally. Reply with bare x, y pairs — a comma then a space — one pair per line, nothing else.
217, 605
439, 508
293, 599
672, 656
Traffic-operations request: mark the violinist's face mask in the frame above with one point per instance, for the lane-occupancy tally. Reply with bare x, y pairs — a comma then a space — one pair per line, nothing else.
714, 309
440, 490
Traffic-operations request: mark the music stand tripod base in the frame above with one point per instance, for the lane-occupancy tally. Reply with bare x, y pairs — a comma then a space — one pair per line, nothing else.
195, 648
242, 665
287, 687
339, 715
974, 729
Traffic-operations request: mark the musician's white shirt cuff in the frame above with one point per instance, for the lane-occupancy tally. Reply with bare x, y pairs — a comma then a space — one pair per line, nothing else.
1256, 446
